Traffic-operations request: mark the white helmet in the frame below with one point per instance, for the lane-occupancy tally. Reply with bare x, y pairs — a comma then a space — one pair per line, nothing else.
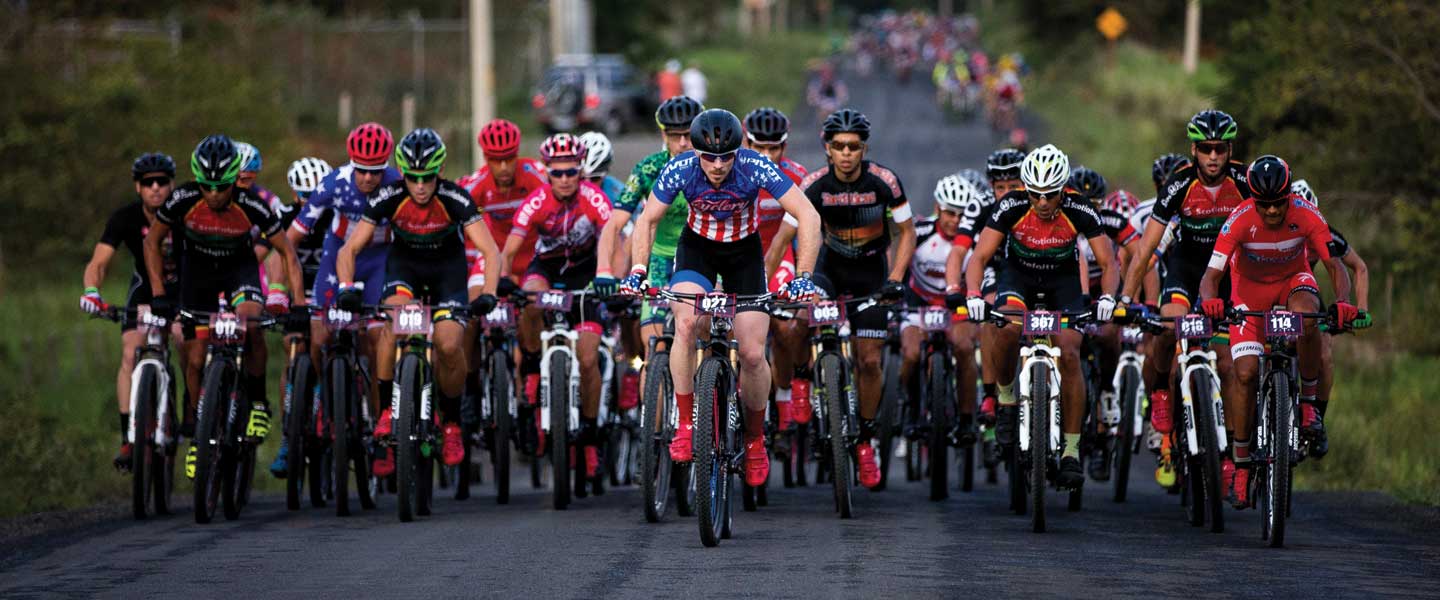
249, 156
1302, 187
1045, 169
598, 154
305, 174
954, 193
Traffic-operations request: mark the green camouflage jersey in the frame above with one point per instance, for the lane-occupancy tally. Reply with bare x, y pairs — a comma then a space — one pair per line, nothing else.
637, 189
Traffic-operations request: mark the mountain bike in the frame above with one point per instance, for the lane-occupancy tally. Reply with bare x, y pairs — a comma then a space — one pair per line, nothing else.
152, 429
658, 420
936, 404
496, 383
836, 423
888, 419
305, 441
344, 408
560, 390
620, 416
415, 434
1130, 390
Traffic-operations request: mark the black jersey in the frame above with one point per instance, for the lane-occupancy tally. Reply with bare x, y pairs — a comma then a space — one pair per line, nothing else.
430, 230
1044, 246
128, 227
853, 215
1202, 211
221, 235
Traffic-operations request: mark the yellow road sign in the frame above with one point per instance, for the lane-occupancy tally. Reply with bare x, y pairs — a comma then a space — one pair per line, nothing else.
1111, 24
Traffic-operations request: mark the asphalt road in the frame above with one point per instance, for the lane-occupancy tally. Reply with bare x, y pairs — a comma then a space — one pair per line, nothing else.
900, 544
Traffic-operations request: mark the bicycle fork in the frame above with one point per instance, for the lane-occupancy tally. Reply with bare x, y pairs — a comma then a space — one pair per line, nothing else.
1130, 359
162, 409
1031, 357
1198, 363
565, 347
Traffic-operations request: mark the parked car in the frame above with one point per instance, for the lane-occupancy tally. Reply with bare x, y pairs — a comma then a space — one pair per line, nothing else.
599, 92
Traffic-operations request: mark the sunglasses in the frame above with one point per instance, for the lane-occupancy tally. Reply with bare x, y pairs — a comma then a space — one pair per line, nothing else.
850, 146
565, 173
678, 134
717, 158
420, 178
375, 171
160, 181
1043, 195
1270, 204
1213, 148
216, 187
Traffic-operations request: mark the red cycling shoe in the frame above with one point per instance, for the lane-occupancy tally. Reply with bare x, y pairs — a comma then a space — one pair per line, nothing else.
453, 448
383, 427
532, 388
800, 410
1160, 417
592, 461
869, 469
384, 467
757, 462
986, 416
680, 445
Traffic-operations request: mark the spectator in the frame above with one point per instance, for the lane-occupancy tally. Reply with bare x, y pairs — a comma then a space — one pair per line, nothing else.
668, 80
695, 83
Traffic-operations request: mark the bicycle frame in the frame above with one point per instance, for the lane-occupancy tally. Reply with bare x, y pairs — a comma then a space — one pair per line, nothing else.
1198, 360
560, 339
153, 354
1131, 358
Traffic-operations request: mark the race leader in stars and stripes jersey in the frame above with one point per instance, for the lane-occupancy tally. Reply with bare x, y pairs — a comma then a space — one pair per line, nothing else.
336, 191
731, 211
1044, 247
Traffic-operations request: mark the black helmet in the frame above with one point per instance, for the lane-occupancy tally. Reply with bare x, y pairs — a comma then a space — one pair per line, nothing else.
1211, 125
846, 120
767, 125
1164, 165
677, 112
1088, 182
420, 152
153, 162
716, 131
1004, 164
216, 161
1269, 178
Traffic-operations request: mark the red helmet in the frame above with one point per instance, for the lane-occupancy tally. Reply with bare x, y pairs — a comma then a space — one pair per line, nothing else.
562, 146
499, 139
370, 145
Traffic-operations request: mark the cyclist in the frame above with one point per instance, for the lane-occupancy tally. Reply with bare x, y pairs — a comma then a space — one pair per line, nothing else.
154, 175
214, 218
767, 131
954, 196
599, 153
722, 182
1265, 244
304, 176
1039, 229
852, 196
499, 188
427, 216
561, 220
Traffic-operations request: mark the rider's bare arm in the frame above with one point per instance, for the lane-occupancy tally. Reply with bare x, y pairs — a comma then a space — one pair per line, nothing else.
985, 249
1109, 270
904, 250
1154, 231
479, 235
778, 245
345, 258
607, 249
289, 264
99, 265
154, 261
799, 207
1362, 278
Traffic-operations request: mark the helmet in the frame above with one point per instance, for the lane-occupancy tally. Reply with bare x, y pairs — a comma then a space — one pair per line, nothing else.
1045, 169
215, 161
370, 145
420, 152
716, 131
1209, 125
1122, 202
499, 139
846, 120
1302, 187
1269, 178
677, 112
598, 154
249, 157
1164, 166
1088, 182
562, 146
152, 162
954, 193
1004, 164
767, 125
976, 178
305, 174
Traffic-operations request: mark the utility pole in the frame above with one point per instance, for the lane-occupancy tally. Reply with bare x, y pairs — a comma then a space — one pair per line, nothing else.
1192, 36
482, 74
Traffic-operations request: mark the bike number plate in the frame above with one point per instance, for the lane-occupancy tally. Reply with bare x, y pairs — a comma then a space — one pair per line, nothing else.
337, 319
1193, 327
718, 305
501, 316
827, 313
934, 318
555, 300
1283, 324
411, 319
1041, 323
227, 327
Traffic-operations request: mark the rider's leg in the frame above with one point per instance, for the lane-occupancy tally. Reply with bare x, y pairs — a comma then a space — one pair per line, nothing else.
912, 338
754, 369
868, 376
1072, 391
588, 348
129, 342
962, 348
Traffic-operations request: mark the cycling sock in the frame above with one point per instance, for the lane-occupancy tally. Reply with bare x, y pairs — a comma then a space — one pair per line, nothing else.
1322, 406
1007, 394
387, 389
1307, 390
867, 429
685, 403
754, 423
1242, 451
1072, 446
124, 427
588, 431
529, 363
782, 395
449, 407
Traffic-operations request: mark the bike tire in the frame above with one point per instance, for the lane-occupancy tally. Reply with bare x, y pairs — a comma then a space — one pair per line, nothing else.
164, 477
1205, 420
1125, 448
560, 467
967, 468
501, 394
297, 411
142, 448
941, 400
888, 416
710, 451
406, 438
655, 433
1039, 442
338, 394
245, 461
836, 409
209, 441
1281, 454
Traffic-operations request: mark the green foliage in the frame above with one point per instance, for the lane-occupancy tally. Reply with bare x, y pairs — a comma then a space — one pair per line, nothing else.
744, 77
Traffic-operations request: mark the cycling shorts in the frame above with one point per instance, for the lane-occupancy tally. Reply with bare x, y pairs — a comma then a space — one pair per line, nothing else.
369, 270
437, 282
1180, 282
855, 277
1248, 338
661, 268
1018, 288
138, 295
202, 282
561, 274
740, 265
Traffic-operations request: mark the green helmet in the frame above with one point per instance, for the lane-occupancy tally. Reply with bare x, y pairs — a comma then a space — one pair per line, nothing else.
216, 161
420, 152
1211, 125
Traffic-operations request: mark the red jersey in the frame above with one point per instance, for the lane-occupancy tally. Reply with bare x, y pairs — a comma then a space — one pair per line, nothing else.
564, 227
499, 209
1271, 254
771, 213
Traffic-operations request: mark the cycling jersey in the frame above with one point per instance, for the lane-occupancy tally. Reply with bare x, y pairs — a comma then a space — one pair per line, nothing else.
216, 235
1044, 246
612, 187
927, 268
499, 209
730, 211
311, 247
567, 228
128, 227
852, 214
1118, 229
1201, 211
429, 230
336, 193
771, 212
637, 189
1269, 254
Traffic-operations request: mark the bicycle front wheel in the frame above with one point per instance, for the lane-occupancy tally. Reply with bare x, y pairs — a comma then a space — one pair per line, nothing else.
1039, 418
297, 413
1129, 422
407, 438
144, 456
338, 393
942, 398
888, 418
656, 415
500, 396
837, 408
1205, 421
209, 440
1281, 429
560, 429
713, 449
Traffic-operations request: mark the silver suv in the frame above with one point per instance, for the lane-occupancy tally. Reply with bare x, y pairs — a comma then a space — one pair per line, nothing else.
599, 92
